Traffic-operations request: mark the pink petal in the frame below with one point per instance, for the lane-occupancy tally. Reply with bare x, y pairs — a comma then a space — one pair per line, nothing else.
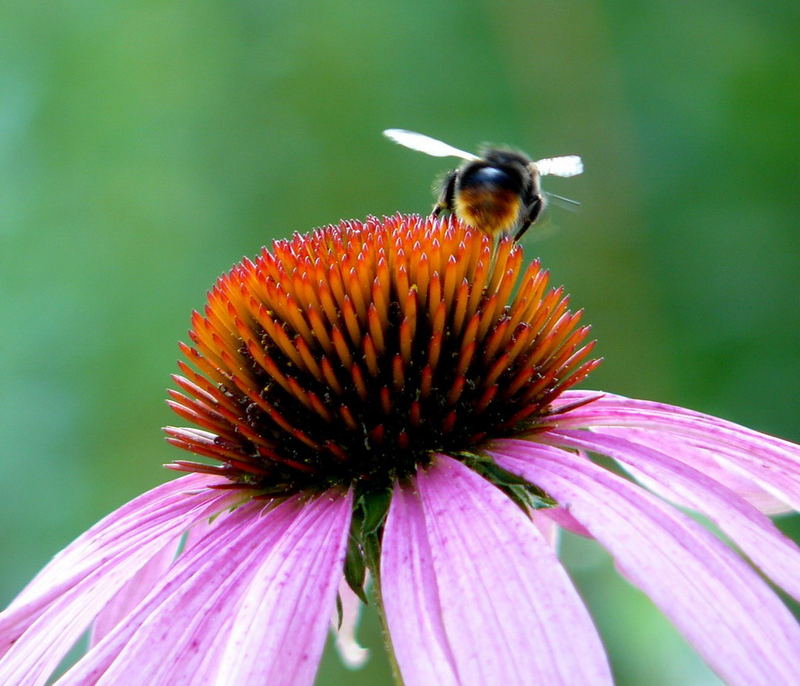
280, 625
473, 593
164, 631
46, 619
146, 578
727, 612
82, 553
703, 460
563, 518
182, 632
769, 463
133, 592
200, 530
352, 654
167, 620
752, 531
548, 527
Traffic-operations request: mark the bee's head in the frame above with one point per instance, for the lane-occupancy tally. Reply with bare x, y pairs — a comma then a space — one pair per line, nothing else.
499, 170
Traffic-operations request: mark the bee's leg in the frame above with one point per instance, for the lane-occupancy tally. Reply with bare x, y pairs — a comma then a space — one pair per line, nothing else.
534, 210
444, 203
496, 238
522, 229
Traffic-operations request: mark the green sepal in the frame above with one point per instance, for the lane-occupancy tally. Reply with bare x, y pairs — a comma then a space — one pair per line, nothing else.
528, 499
375, 506
366, 529
355, 568
339, 611
525, 494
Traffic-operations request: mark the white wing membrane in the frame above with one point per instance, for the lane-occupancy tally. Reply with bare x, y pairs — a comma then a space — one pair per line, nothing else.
562, 202
568, 165
430, 146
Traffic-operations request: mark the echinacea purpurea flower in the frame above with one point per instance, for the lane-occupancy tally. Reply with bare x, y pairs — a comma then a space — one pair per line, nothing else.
393, 395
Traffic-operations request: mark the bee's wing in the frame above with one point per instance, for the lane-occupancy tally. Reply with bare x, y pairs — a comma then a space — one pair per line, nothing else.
561, 201
569, 165
426, 144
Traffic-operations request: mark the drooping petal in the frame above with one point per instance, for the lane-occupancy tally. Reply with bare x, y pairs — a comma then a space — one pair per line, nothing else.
473, 593
563, 518
351, 652
770, 463
704, 460
200, 530
178, 615
279, 629
548, 527
181, 633
46, 619
83, 553
133, 592
411, 597
751, 530
723, 607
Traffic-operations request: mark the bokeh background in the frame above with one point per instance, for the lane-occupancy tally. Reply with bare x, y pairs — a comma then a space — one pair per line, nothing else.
146, 146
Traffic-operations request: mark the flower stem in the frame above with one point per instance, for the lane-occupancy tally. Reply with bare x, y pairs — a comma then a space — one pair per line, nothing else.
387, 639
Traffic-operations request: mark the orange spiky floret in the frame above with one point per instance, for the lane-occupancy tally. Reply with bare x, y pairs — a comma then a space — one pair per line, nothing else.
356, 352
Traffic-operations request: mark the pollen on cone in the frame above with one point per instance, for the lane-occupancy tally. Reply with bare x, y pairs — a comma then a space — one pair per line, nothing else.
355, 352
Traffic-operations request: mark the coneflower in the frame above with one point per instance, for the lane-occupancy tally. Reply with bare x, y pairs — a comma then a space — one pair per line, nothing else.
391, 397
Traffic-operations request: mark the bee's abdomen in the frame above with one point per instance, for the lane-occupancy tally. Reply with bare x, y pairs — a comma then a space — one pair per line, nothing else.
488, 198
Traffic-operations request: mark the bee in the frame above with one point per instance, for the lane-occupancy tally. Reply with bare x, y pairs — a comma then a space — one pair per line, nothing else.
498, 192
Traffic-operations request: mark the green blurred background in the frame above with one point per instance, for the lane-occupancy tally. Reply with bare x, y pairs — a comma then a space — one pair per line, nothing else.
146, 146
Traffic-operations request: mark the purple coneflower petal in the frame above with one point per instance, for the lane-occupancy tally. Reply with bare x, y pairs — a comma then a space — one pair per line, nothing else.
704, 460
473, 593
176, 624
176, 616
133, 592
727, 612
562, 517
279, 629
249, 601
771, 463
169, 637
83, 553
751, 530
548, 527
51, 613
